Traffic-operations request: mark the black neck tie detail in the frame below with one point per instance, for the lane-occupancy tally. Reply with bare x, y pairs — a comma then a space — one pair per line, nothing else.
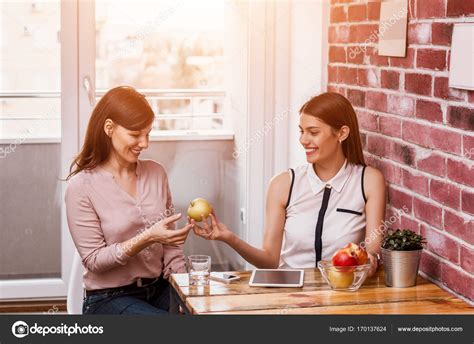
318, 244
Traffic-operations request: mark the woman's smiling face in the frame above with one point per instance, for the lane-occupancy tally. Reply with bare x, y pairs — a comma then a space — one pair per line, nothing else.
128, 144
318, 139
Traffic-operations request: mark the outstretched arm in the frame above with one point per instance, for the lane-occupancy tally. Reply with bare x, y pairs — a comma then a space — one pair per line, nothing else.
269, 255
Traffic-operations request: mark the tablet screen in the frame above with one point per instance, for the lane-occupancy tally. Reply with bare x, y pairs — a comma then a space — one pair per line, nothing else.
277, 277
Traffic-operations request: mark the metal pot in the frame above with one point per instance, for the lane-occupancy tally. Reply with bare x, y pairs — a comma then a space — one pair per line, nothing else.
401, 267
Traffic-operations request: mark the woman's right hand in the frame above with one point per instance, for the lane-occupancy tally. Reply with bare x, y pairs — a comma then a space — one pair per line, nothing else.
214, 231
162, 233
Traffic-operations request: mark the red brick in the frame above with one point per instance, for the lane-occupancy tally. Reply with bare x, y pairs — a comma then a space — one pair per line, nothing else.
400, 199
432, 137
356, 97
391, 172
468, 147
390, 79
367, 121
427, 212
460, 8
347, 75
357, 13
408, 223
355, 55
430, 9
368, 77
337, 54
429, 110
430, 265
363, 140
392, 219
441, 33
337, 89
338, 34
459, 227
332, 35
434, 164
418, 83
376, 101
467, 202
363, 33
387, 148
417, 183
390, 126
375, 59
338, 14
470, 96
431, 59
445, 193
461, 117
403, 62
373, 10
400, 105
332, 74
467, 259
442, 245
459, 281
419, 33
460, 172
442, 90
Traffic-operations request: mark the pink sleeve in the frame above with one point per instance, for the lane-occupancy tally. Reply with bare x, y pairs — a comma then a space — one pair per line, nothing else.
84, 226
173, 257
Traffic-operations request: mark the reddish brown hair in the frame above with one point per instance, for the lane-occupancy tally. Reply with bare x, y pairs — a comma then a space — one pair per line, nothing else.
336, 111
125, 107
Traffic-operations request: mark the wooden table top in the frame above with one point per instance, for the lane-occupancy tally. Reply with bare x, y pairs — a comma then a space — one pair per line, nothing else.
316, 297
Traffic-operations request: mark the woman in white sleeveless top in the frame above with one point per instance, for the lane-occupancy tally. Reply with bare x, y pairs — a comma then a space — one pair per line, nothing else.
317, 208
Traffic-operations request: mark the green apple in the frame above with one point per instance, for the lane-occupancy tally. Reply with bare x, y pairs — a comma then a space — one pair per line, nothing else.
340, 279
199, 207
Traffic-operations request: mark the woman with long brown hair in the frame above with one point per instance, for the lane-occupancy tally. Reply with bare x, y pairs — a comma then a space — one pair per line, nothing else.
319, 207
120, 211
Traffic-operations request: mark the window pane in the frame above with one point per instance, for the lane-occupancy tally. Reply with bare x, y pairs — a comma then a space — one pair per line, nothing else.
162, 46
30, 216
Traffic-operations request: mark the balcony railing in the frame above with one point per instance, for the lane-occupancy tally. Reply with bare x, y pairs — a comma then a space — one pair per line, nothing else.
176, 110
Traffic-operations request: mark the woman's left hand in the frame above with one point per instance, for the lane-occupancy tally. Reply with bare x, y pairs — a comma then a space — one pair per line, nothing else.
373, 264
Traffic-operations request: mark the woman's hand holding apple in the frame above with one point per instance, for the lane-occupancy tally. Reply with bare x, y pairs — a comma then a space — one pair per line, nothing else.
214, 230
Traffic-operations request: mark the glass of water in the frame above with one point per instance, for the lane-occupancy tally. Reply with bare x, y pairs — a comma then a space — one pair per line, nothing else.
199, 267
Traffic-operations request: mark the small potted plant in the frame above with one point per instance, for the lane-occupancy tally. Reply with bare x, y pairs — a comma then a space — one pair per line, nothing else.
401, 253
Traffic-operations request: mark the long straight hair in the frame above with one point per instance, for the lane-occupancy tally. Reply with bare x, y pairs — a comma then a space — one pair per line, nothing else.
336, 111
125, 107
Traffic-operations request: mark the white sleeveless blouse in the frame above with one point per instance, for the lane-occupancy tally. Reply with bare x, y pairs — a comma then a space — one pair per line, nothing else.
344, 221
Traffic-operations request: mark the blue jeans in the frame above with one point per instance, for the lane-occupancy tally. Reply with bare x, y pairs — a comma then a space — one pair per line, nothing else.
148, 300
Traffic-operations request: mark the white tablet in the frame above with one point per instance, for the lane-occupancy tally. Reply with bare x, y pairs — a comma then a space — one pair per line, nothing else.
277, 278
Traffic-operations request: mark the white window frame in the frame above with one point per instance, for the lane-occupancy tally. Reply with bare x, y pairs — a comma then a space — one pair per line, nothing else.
37, 288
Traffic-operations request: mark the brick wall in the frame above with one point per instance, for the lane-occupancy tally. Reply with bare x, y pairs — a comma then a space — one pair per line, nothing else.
415, 129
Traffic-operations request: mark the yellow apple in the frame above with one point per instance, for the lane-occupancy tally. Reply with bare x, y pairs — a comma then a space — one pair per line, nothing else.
340, 279
199, 207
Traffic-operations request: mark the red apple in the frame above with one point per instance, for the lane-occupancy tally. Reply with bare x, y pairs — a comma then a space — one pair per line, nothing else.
350, 255
344, 257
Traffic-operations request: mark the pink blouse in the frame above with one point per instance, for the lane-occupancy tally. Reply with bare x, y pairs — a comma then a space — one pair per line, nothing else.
101, 214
